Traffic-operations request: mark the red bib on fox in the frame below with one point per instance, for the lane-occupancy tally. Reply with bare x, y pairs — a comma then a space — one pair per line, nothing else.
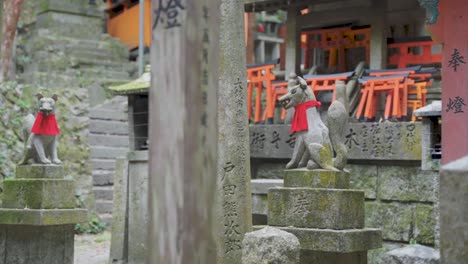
45, 125
299, 122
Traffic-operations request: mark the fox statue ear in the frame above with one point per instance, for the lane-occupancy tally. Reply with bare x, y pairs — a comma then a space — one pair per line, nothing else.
302, 82
39, 96
55, 97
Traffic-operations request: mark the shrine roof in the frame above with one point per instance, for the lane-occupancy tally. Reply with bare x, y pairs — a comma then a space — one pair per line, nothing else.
138, 86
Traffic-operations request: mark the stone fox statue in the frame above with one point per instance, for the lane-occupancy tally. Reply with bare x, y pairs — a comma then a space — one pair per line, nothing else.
315, 144
41, 133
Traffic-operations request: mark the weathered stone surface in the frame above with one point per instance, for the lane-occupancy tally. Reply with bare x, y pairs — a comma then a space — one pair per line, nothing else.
119, 242
271, 141
39, 171
23, 244
42, 217
394, 219
260, 189
364, 177
376, 256
233, 205
316, 208
399, 183
424, 224
316, 179
365, 141
39, 193
453, 211
318, 257
270, 245
138, 215
413, 254
342, 241
267, 169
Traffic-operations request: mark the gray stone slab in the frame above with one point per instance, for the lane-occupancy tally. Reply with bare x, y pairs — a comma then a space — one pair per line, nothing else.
364, 177
39, 171
119, 239
365, 141
268, 168
118, 141
261, 186
453, 211
102, 164
398, 183
271, 141
39, 193
37, 245
316, 179
318, 257
432, 109
328, 240
394, 219
316, 208
42, 217
413, 254
108, 127
259, 204
138, 215
107, 152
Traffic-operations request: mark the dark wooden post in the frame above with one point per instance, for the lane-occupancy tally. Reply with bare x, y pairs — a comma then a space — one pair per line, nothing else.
183, 131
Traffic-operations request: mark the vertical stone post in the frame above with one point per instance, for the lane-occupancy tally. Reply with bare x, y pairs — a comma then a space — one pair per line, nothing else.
378, 41
234, 214
183, 131
293, 42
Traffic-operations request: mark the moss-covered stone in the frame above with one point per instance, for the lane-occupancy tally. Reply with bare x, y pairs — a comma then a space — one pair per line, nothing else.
335, 240
375, 256
364, 177
316, 208
399, 183
316, 179
424, 224
394, 219
39, 171
42, 216
38, 193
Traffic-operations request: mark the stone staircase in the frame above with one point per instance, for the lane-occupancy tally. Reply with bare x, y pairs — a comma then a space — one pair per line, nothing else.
108, 138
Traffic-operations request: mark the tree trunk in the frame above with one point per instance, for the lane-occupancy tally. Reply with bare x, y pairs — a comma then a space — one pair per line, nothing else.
11, 13
183, 131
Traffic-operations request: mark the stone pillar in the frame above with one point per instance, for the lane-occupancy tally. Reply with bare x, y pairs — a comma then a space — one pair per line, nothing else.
327, 217
38, 216
453, 212
234, 214
378, 41
293, 42
183, 131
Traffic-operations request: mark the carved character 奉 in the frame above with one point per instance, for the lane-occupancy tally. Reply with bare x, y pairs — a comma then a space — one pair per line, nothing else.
40, 133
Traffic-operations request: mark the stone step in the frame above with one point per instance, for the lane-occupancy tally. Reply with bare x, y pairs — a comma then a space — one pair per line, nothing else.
118, 141
316, 208
106, 64
102, 164
108, 127
102, 152
103, 192
106, 219
99, 73
51, 79
103, 207
101, 51
103, 177
108, 114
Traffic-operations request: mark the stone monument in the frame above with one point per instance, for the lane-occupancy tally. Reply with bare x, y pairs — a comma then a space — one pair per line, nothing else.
38, 215
316, 204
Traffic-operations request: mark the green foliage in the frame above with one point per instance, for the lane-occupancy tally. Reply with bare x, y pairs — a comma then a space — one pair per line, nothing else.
93, 226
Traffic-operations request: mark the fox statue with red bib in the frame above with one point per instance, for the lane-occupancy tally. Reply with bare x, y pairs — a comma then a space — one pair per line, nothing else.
41, 133
318, 146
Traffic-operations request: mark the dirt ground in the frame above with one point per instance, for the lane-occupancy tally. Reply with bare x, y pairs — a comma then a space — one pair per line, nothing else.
92, 249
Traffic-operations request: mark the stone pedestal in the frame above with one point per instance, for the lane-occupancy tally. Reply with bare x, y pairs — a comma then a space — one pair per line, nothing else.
326, 217
36, 223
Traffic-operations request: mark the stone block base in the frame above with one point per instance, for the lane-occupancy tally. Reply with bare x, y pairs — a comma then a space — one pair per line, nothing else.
317, 257
337, 241
37, 171
316, 179
39, 193
23, 244
42, 217
316, 208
